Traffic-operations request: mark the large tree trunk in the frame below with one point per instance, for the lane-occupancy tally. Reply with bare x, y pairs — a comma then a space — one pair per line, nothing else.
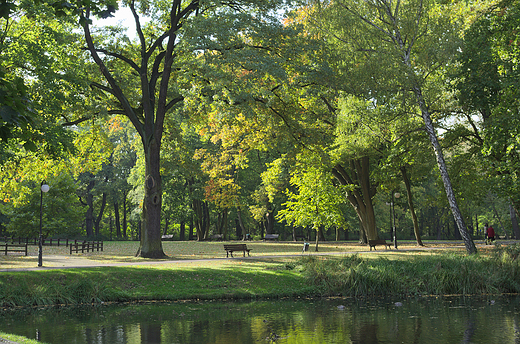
153, 71
360, 197
468, 242
410, 205
222, 223
198, 219
182, 231
269, 223
151, 243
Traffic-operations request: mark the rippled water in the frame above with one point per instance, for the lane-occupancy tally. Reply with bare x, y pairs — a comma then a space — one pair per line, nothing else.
416, 320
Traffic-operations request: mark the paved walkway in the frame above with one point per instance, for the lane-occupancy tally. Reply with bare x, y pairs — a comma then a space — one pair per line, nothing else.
72, 262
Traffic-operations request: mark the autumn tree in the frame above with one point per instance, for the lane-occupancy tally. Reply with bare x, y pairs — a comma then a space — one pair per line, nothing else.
147, 78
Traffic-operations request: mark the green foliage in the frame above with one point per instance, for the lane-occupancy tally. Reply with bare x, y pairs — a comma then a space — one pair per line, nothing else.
316, 201
60, 216
488, 84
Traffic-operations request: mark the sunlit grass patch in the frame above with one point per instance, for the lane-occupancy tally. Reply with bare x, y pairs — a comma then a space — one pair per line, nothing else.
18, 339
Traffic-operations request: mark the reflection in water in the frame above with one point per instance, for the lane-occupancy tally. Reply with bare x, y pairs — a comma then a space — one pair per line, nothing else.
367, 321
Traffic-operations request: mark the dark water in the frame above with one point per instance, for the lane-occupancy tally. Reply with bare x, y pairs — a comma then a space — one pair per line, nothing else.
417, 320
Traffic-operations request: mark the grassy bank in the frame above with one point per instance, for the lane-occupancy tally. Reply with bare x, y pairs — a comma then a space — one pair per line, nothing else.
17, 339
204, 280
349, 275
444, 274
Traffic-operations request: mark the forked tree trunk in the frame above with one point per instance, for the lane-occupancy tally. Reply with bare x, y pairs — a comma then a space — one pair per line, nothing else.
410, 205
360, 197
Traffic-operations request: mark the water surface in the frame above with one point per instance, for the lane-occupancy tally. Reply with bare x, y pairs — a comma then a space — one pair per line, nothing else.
367, 321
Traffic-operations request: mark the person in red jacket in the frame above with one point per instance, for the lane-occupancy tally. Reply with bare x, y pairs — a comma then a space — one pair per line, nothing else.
490, 234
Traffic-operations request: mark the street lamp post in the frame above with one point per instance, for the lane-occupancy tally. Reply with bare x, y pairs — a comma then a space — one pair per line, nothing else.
394, 229
43, 188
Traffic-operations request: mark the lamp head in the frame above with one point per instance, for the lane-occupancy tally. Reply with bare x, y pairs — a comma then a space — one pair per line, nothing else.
45, 187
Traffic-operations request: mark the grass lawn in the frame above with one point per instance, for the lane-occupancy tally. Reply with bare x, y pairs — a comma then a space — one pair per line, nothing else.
124, 251
17, 339
276, 269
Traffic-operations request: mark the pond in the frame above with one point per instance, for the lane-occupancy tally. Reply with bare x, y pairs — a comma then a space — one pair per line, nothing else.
336, 320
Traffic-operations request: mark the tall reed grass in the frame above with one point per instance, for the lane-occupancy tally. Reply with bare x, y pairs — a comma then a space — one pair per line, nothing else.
417, 275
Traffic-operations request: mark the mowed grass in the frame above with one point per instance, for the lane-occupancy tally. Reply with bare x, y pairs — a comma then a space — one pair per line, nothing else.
17, 339
124, 252
224, 279
275, 271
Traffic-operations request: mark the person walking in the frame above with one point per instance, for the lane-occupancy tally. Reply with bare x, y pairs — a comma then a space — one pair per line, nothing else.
490, 232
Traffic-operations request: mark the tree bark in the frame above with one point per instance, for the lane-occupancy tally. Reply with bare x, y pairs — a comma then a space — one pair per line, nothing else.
411, 206
269, 223
500, 221
241, 223
97, 223
125, 223
198, 219
222, 223
182, 231
360, 197
118, 220
514, 221
441, 163
432, 135
151, 243
89, 214
206, 220
166, 225
190, 233
154, 71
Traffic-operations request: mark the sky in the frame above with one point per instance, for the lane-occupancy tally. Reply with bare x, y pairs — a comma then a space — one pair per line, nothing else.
122, 16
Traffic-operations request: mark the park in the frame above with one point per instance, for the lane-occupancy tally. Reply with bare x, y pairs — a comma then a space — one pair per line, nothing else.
201, 272
242, 151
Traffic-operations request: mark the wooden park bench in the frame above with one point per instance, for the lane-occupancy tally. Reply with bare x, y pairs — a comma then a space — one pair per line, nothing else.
296, 237
7, 247
271, 237
374, 243
230, 248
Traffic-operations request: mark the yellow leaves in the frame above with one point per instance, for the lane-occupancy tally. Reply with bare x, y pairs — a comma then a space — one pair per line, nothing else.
114, 124
94, 149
